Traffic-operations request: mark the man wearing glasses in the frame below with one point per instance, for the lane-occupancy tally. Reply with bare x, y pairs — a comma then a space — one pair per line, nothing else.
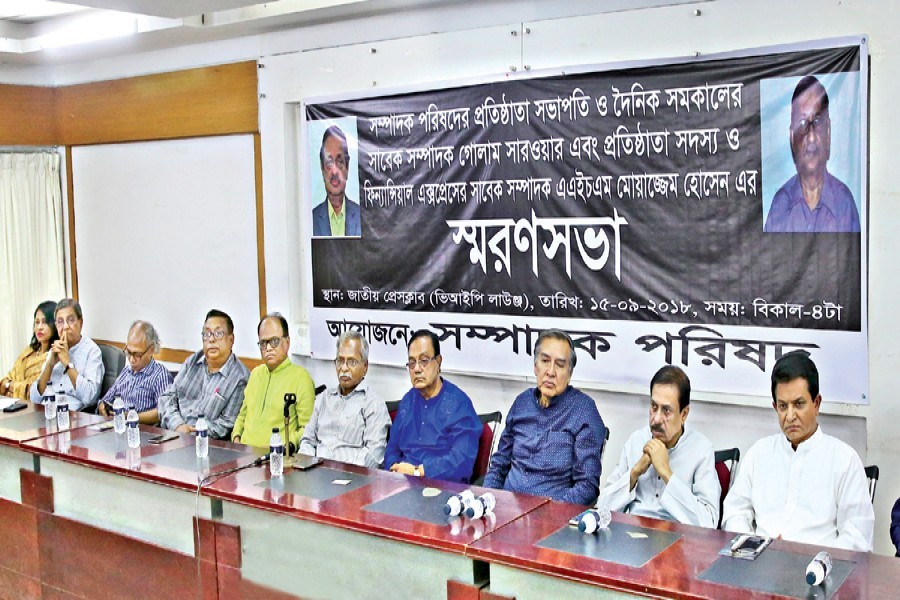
263, 406
73, 363
554, 436
813, 200
350, 422
143, 379
435, 433
210, 383
338, 216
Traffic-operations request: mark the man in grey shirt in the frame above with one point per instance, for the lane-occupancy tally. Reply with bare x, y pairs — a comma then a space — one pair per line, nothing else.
349, 422
210, 383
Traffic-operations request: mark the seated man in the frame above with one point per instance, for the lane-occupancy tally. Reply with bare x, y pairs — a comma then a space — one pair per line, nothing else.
801, 485
74, 362
210, 384
143, 379
263, 406
554, 434
666, 470
350, 422
435, 433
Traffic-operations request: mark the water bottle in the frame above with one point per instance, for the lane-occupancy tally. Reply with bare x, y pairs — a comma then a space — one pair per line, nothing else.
133, 458
49, 402
482, 505
131, 426
594, 520
62, 410
818, 569
119, 415
201, 443
276, 454
458, 503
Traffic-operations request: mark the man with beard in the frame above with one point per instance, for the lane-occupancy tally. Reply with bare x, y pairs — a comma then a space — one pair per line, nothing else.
813, 200
666, 471
338, 216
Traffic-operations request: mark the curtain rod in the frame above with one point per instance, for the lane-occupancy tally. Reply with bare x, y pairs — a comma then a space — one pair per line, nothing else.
28, 149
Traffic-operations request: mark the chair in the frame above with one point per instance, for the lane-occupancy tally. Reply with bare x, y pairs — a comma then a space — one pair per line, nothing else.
605, 444
725, 473
113, 363
489, 422
393, 406
872, 475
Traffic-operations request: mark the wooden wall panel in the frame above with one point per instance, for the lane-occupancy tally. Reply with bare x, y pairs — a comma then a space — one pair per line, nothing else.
27, 116
214, 100
117, 566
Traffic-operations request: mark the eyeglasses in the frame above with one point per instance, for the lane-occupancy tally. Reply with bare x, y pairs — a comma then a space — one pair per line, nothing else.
271, 343
351, 363
804, 125
209, 336
340, 161
423, 362
136, 355
71, 321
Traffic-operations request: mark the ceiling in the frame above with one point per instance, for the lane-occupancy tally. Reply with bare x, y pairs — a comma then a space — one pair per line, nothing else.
49, 32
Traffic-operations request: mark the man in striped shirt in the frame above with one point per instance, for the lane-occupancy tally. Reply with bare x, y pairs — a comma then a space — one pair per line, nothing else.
143, 379
210, 383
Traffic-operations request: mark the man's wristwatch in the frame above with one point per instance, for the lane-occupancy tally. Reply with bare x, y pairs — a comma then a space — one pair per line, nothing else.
68, 366
417, 472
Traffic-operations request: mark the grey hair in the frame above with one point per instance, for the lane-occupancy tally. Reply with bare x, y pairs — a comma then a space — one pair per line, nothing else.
354, 335
150, 334
556, 334
69, 303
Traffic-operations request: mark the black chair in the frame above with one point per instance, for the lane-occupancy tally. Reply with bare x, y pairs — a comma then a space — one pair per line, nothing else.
872, 475
113, 363
725, 473
605, 444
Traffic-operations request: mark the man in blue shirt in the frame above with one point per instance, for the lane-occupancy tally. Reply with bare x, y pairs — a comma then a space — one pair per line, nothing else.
435, 433
813, 200
554, 434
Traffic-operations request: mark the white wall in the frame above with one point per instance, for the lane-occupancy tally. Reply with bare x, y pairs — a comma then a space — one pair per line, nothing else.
331, 59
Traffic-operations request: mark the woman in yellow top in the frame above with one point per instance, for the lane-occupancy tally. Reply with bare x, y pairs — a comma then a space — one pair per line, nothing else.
28, 366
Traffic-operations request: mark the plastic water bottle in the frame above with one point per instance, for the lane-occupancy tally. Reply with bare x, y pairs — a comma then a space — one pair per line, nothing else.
594, 520
119, 415
49, 402
276, 454
818, 569
481, 506
201, 443
62, 410
458, 503
131, 426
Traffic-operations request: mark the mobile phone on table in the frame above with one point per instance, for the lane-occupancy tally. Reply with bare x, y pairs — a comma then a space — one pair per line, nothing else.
15, 406
163, 438
303, 462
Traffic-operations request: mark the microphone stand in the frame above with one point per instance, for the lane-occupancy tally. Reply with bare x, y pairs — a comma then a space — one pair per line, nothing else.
290, 399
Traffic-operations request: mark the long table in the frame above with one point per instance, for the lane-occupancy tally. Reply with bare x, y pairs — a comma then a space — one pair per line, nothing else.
85, 516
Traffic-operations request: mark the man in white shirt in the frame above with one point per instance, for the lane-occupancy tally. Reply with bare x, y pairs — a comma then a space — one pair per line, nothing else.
74, 364
349, 422
666, 470
801, 485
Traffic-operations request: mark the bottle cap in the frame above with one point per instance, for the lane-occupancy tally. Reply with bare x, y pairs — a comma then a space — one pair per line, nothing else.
275, 430
810, 577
